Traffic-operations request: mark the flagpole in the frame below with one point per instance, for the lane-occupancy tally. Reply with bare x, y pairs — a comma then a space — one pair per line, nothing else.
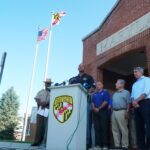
48, 50
30, 92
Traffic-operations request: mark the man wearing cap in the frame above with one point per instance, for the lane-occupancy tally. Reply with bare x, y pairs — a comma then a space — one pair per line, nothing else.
141, 103
42, 99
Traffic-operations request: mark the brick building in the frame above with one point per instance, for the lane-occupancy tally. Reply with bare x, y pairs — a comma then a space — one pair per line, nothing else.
31, 125
120, 43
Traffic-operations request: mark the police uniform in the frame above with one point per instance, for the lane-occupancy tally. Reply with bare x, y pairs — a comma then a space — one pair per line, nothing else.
86, 80
41, 129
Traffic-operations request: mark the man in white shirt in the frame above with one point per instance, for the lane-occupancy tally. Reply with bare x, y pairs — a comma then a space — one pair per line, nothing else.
42, 99
141, 103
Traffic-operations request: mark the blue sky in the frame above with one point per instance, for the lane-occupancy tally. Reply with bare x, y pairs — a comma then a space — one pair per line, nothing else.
19, 20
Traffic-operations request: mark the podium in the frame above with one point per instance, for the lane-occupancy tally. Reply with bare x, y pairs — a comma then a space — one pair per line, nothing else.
67, 124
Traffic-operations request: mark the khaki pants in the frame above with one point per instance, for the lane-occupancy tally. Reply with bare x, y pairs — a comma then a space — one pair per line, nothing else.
120, 128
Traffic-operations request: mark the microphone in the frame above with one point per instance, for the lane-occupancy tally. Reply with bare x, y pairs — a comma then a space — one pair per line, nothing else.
60, 84
73, 80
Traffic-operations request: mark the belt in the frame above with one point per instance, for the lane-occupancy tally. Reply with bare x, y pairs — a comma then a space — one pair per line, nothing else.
119, 109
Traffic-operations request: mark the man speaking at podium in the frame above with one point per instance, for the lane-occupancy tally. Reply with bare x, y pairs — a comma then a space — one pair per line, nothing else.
87, 82
83, 78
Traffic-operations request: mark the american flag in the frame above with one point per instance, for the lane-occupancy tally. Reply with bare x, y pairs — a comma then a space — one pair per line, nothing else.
42, 34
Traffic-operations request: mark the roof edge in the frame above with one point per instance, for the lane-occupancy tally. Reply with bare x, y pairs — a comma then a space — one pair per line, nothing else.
103, 22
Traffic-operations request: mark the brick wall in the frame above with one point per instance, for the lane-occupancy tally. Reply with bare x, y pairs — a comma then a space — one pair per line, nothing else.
125, 13
31, 136
148, 54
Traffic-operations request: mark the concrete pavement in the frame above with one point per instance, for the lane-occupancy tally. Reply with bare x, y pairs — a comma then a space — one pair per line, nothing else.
17, 146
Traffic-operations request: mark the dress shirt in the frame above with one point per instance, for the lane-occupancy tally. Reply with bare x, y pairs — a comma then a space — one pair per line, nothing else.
141, 86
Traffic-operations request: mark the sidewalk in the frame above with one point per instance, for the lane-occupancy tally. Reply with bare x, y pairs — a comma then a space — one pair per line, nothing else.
16, 146
20, 146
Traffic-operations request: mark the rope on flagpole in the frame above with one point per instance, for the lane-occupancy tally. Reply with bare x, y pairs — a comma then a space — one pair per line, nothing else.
48, 50
30, 93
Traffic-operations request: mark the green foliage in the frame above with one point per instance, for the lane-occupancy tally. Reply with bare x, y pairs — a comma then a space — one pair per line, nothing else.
9, 106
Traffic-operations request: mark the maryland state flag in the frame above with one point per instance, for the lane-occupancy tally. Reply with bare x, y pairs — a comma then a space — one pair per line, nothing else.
57, 17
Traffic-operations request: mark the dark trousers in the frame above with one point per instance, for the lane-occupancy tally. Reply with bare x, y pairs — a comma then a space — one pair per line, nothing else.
142, 122
89, 123
101, 125
89, 129
40, 129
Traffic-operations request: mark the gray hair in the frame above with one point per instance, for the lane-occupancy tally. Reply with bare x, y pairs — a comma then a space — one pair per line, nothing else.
139, 69
123, 82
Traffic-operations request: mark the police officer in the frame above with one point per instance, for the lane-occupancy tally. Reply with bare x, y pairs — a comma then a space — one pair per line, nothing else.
42, 99
87, 82
83, 78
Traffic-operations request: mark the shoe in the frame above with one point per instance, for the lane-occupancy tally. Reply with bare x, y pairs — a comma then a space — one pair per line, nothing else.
105, 148
88, 147
35, 144
124, 148
97, 148
133, 148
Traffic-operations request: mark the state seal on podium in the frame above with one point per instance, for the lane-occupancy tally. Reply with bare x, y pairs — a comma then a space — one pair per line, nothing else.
63, 108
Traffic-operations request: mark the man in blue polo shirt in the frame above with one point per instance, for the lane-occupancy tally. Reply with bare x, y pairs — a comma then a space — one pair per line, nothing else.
141, 103
100, 102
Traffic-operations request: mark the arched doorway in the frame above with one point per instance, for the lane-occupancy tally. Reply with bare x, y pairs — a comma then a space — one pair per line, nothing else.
122, 67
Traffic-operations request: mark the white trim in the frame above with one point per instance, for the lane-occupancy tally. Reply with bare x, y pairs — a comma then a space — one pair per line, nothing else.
136, 27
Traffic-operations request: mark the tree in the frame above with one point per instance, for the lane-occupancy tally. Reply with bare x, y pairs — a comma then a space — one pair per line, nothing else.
9, 106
